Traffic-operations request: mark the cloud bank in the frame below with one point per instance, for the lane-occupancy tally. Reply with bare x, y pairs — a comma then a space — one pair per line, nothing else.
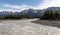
48, 3
44, 4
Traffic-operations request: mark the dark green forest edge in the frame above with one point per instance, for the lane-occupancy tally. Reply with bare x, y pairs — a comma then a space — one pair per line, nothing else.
14, 17
51, 15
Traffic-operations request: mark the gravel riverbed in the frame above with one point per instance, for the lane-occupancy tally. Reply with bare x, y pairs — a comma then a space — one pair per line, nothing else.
26, 27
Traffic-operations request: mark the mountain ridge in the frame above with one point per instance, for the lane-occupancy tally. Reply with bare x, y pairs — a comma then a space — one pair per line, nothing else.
30, 13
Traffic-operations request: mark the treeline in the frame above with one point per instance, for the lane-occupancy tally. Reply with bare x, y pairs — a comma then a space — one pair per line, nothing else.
13, 17
51, 15
16, 17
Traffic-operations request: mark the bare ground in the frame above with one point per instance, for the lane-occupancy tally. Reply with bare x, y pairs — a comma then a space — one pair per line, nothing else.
29, 27
53, 23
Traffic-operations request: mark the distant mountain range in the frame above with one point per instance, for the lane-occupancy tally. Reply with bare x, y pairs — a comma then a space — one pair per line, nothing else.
31, 13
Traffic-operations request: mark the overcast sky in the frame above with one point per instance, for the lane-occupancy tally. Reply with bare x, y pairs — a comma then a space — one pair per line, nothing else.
18, 5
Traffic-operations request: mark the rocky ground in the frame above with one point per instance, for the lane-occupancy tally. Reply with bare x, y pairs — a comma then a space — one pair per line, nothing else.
29, 27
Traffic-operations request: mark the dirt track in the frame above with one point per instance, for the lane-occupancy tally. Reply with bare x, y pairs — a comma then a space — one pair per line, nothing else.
26, 27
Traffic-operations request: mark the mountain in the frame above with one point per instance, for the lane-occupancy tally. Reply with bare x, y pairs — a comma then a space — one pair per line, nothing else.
29, 13
32, 13
54, 9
